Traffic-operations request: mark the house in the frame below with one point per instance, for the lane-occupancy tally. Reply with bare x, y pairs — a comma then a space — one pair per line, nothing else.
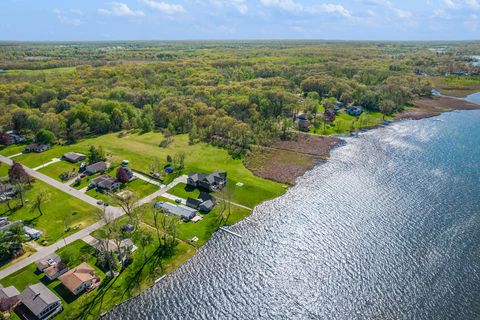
8, 299
7, 189
4, 221
96, 167
204, 203
184, 212
303, 116
338, 105
40, 302
127, 228
80, 278
37, 148
12, 137
105, 182
355, 110
55, 270
47, 261
212, 182
304, 125
32, 233
74, 157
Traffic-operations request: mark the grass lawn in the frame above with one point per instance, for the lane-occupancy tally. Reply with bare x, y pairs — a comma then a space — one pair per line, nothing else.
181, 190
344, 123
60, 210
56, 169
28, 251
11, 150
142, 149
4, 170
140, 187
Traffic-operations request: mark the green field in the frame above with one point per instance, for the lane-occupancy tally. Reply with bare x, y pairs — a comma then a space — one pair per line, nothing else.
183, 191
345, 123
62, 213
40, 71
56, 169
140, 187
131, 281
142, 149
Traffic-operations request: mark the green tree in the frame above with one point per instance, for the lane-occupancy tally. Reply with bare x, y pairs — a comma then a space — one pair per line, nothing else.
45, 136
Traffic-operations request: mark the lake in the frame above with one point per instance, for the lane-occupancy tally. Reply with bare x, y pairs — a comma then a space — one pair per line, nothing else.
387, 228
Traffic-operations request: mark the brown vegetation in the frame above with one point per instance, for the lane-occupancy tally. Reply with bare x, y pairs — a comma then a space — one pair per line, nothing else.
430, 107
285, 161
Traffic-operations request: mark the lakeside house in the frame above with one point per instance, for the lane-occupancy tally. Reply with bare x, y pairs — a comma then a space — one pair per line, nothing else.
355, 110
38, 302
105, 182
79, 279
9, 299
37, 148
186, 213
204, 203
74, 157
47, 261
215, 181
110, 245
31, 232
96, 168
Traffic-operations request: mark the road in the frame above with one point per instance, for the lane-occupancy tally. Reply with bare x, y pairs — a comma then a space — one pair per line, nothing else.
112, 213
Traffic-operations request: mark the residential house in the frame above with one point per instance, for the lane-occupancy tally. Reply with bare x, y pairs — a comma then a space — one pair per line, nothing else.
110, 245
74, 157
40, 302
55, 270
96, 167
212, 182
32, 233
304, 125
105, 182
12, 137
37, 148
7, 190
47, 261
204, 203
4, 221
355, 110
338, 105
80, 278
8, 299
184, 212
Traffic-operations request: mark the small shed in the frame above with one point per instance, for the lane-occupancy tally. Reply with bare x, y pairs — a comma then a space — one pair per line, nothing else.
32, 233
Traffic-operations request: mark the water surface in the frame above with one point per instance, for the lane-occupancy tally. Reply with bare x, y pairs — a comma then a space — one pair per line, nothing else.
388, 228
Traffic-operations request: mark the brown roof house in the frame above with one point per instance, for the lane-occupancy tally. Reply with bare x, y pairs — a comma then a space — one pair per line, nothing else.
96, 167
55, 271
39, 303
8, 299
80, 278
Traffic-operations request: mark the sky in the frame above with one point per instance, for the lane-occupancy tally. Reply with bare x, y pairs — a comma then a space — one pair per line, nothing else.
78, 20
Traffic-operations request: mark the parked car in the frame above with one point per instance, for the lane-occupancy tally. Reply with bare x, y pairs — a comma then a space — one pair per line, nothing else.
99, 202
178, 200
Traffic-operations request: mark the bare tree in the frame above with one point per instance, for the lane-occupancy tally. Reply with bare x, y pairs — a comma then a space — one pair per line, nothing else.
108, 234
39, 199
127, 201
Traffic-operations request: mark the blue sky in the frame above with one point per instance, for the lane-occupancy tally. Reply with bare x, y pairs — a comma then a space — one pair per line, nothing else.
239, 19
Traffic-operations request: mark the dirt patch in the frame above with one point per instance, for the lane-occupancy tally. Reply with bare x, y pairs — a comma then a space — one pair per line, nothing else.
430, 107
285, 161
460, 92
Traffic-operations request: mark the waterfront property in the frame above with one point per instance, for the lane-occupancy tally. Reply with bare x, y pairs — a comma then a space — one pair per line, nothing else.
73, 157
355, 110
38, 302
182, 211
79, 279
212, 182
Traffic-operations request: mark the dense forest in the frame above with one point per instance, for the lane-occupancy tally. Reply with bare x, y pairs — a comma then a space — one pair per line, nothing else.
232, 94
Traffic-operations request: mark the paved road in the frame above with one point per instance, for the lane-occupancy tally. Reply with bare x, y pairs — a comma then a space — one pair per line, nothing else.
147, 179
54, 160
112, 212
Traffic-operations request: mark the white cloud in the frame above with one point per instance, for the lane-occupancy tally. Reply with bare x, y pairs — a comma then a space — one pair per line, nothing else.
451, 4
473, 4
65, 19
120, 9
295, 7
400, 13
164, 7
239, 5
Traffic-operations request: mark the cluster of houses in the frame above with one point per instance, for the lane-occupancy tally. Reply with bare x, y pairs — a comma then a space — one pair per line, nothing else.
204, 203
303, 120
39, 302
106, 182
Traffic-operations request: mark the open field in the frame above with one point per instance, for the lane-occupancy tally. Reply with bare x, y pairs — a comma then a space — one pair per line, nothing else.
142, 149
54, 170
62, 213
